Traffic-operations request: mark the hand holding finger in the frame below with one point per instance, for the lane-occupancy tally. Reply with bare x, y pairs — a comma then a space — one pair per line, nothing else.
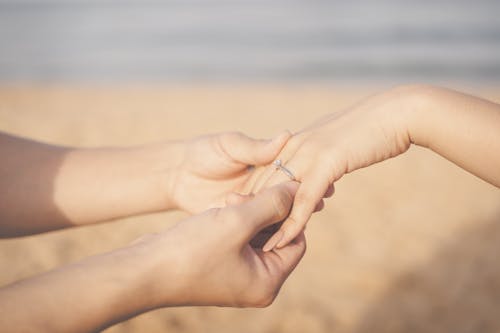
268, 207
308, 197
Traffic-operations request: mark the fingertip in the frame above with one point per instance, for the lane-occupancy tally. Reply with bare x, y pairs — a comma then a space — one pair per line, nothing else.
288, 236
271, 242
283, 242
275, 145
282, 137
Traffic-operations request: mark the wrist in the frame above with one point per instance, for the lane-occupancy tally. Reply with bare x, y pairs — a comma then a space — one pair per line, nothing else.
414, 101
163, 281
100, 184
163, 164
88, 295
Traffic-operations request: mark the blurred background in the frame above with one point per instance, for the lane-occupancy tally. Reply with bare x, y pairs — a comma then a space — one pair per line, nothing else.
408, 245
249, 40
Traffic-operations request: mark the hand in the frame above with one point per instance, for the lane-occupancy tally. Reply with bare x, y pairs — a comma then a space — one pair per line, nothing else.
213, 166
209, 260
366, 133
204, 260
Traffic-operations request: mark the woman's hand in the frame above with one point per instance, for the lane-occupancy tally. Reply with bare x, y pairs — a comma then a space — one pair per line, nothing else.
213, 166
366, 133
462, 128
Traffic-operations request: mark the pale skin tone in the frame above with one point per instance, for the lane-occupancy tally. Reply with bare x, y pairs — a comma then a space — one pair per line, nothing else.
46, 187
462, 128
204, 260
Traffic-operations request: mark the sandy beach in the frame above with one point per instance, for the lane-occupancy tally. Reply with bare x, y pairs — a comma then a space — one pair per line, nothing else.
408, 245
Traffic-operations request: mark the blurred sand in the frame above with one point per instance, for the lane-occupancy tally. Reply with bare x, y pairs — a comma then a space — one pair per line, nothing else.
409, 245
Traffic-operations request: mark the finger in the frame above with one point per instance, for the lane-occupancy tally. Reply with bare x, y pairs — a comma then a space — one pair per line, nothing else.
319, 207
285, 260
243, 149
268, 207
263, 236
271, 176
271, 240
330, 191
234, 198
308, 196
278, 176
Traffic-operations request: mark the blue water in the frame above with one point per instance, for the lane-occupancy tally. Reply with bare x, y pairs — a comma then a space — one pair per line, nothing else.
249, 40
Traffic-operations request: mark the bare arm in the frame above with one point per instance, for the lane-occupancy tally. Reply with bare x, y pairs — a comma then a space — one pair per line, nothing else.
172, 268
45, 187
462, 128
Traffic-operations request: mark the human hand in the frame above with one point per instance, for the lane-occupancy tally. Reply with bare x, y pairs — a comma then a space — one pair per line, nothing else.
207, 259
368, 132
213, 166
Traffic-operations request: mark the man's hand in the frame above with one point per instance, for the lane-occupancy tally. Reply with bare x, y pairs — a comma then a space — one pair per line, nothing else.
209, 260
203, 260
45, 187
211, 167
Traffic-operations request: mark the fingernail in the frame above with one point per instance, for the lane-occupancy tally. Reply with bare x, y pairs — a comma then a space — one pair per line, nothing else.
271, 242
282, 242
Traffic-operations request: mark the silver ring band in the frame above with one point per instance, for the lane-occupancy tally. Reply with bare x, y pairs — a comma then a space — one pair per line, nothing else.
280, 166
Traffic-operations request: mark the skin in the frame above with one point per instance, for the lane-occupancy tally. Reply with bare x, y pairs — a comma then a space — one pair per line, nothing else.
160, 270
462, 128
46, 187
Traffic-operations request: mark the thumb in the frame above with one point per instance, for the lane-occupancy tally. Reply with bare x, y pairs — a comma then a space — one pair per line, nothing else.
249, 151
267, 207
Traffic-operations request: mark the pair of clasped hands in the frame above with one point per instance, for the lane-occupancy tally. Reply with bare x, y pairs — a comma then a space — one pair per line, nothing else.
247, 236
252, 242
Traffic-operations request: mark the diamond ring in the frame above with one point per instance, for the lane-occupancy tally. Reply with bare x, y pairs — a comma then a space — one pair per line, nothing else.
280, 166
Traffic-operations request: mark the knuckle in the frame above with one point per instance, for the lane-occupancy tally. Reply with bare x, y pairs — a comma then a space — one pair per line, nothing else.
303, 198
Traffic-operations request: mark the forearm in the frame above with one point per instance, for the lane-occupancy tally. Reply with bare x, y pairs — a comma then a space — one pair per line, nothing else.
462, 128
106, 183
45, 187
82, 297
